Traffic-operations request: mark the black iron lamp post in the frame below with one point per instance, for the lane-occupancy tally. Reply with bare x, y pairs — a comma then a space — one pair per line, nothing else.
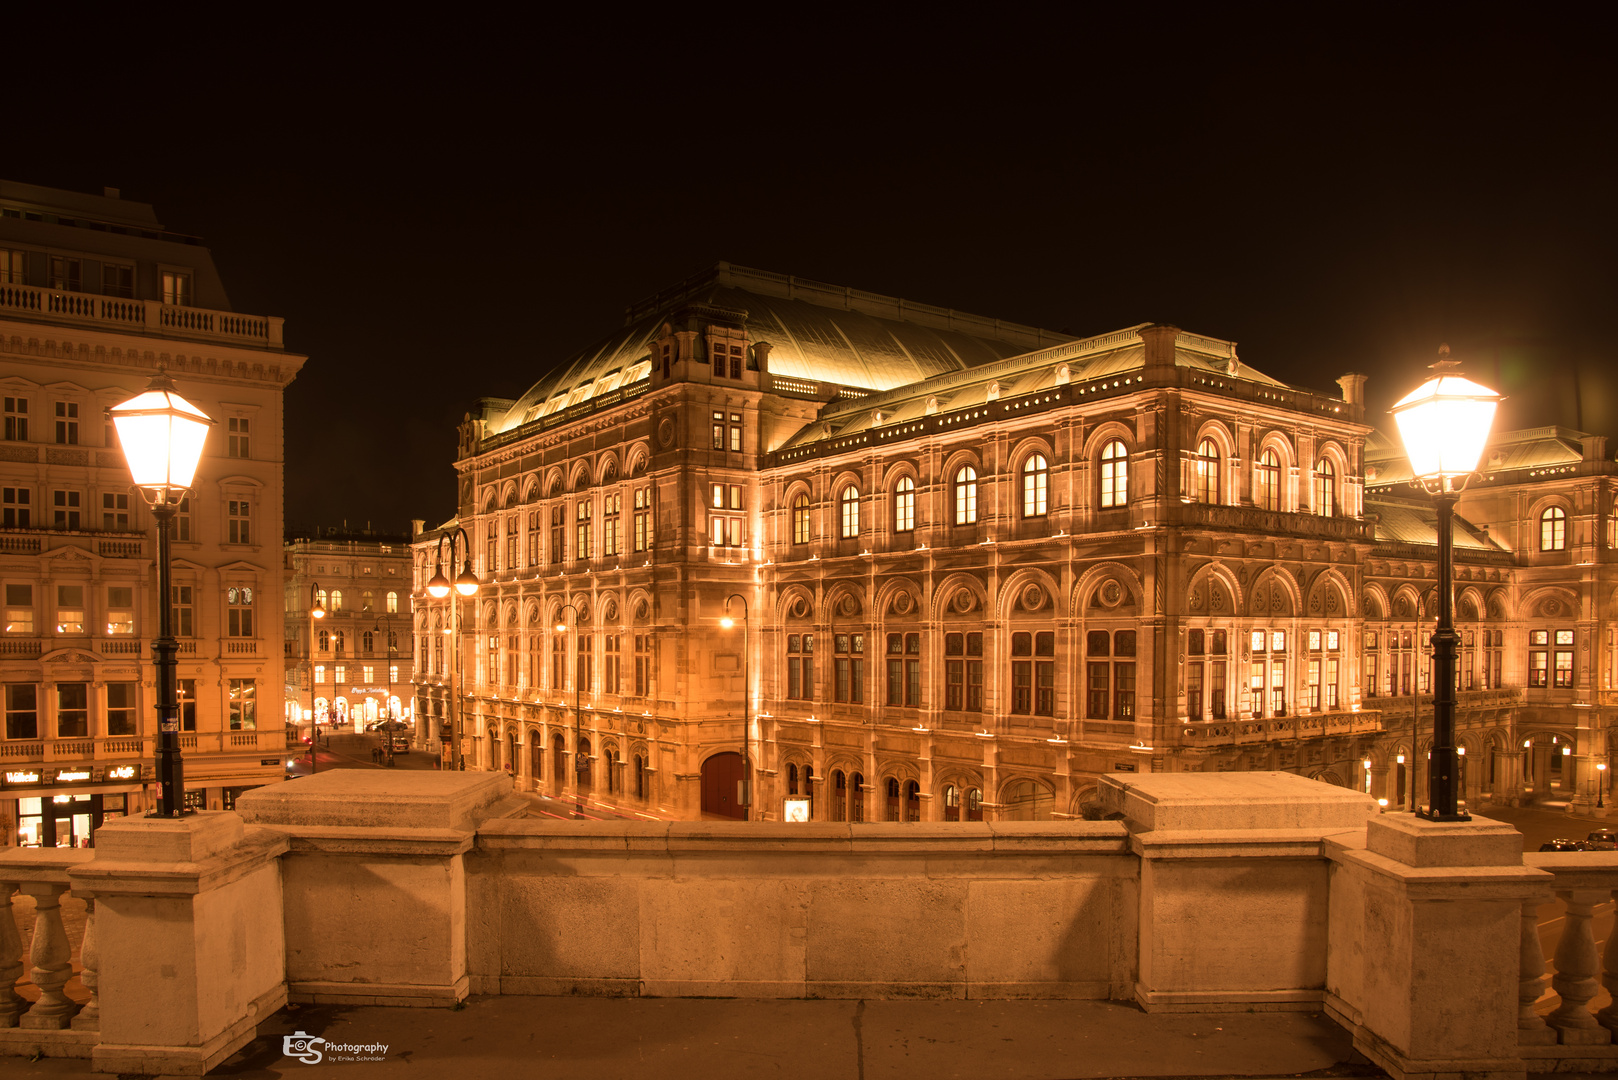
384, 625
466, 583
1444, 424
579, 761
162, 436
317, 611
744, 797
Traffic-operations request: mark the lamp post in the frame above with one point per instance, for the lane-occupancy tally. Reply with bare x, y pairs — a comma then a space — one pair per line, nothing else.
578, 730
1601, 785
1444, 424
744, 795
162, 436
466, 583
383, 625
317, 611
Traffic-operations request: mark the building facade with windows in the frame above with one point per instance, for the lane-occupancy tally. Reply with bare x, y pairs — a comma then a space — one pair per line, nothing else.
983, 564
359, 671
95, 297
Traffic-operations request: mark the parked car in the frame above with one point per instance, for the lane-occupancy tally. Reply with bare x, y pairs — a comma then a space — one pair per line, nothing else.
1603, 840
1563, 844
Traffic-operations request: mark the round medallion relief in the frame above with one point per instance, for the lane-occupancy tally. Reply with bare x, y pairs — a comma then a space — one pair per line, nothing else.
902, 604
665, 432
963, 600
1111, 592
1033, 598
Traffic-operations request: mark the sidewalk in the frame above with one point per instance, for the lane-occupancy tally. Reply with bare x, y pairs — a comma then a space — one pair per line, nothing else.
724, 1039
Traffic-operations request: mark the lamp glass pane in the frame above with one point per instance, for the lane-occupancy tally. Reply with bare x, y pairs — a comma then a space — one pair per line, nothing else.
1444, 425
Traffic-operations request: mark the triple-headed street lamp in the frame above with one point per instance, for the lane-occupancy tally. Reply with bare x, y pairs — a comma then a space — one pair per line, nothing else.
580, 762
744, 793
1444, 424
466, 583
162, 436
317, 611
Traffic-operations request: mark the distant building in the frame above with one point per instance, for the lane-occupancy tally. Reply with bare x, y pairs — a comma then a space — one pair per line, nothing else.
362, 657
984, 564
95, 297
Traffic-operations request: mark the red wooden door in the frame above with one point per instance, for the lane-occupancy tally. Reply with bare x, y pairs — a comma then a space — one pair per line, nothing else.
720, 776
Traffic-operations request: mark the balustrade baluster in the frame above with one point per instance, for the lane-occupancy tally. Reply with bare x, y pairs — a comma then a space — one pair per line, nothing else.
1577, 966
11, 1003
1531, 1027
52, 957
1608, 1017
89, 1018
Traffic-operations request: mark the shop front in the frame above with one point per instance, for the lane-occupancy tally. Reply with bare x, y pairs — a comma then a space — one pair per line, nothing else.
63, 806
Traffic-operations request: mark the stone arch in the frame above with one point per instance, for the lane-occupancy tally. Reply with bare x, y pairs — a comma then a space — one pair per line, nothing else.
1015, 595
1093, 578
508, 494
489, 499
638, 456
1104, 433
1028, 446
845, 601
510, 615
1406, 604
1329, 595
958, 595
961, 455
794, 602
1215, 429
1220, 592
606, 466
1550, 602
1469, 605
1276, 592
1286, 454
889, 600
1374, 601
530, 488
554, 481
640, 606
1498, 605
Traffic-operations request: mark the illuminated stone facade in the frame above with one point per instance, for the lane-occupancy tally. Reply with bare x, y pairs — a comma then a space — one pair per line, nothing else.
984, 564
95, 296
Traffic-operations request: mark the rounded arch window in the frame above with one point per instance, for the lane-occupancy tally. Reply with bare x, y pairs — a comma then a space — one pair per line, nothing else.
974, 804
1114, 474
1207, 471
952, 803
966, 495
800, 519
1036, 484
1553, 529
1325, 488
849, 505
1268, 487
904, 505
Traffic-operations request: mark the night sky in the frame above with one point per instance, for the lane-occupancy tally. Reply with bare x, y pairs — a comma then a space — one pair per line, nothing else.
445, 213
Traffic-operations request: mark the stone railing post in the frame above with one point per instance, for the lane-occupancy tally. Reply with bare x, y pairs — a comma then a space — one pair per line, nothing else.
1531, 1027
11, 1003
1577, 968
1608, 1016
89, 1018
52, 957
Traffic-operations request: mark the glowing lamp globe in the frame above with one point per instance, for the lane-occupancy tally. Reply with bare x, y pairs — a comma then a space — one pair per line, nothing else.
162, 435
438, 586
1444, 424
467, 583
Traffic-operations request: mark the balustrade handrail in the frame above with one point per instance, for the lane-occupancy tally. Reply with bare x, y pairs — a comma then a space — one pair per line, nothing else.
151, 316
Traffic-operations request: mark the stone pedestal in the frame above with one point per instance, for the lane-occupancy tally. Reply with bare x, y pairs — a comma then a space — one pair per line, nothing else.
1234, 887
375, 883
1426, 942
188, 920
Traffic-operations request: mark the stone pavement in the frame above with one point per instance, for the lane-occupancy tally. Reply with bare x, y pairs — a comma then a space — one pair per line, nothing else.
721, 1039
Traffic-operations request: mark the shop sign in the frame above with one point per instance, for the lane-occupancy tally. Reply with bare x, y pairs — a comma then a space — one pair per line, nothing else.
1123, 766
72, 776
269, 761
123, 772
23, 776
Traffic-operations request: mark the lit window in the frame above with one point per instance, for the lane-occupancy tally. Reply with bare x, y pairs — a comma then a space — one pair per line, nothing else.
1268, 493
1206, 477
176, 288
19, 609
120, 609
70, 609
966, 496
851, 512
1325, 488
904, 506
1553, 529
239, 605
800, 520
1036, 479
1114, 474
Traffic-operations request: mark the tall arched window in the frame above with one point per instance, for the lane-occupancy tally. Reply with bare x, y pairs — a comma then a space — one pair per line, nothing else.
1553, 529
1325, 488
851, 511
800, 519
904, 505
336, 600
1207, 472
1036, 484
966, 496
1114, 474
1267, 489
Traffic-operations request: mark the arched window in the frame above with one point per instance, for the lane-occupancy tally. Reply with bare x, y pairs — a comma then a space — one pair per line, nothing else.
1553, 529
336, 600
1325, 488
839, 800
792, 779
393, 603
904, 505
952, 803
800, 519
365, 600
369, 640
966, 496
1267, 493
325, 640
1207, 472
1114, 474
1036, 484
850, 502
912, 801
320, 598
893, 799
974, 804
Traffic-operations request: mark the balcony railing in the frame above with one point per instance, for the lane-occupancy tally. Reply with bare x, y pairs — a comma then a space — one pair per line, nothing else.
1261, 729
150, 316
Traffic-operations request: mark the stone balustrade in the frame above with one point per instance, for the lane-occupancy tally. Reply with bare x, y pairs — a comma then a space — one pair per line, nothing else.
1204, 893
117, 313
52, 1024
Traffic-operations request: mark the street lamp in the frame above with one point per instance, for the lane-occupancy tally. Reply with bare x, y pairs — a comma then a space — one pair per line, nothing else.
578, 732
1444, 424
162, 436
1601, 785
466, 583
744, 795
317, 610
384, 625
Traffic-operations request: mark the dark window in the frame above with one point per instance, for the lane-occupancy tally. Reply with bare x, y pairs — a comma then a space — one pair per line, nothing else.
72, 710
120, 708
22, 711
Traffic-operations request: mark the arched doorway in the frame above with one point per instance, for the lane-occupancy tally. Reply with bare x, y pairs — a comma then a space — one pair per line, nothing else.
721, 780
536, 755
558, 762
584, 764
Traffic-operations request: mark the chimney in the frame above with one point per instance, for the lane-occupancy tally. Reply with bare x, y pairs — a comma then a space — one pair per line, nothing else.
1353, 385
416, 526
761, 355
1159, 339
1595, 448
